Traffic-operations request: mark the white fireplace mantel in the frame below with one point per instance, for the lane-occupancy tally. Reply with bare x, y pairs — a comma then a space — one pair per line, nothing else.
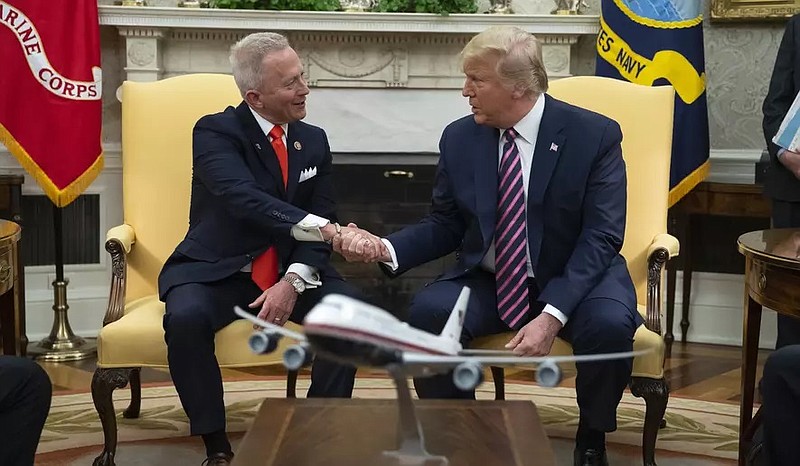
339, 49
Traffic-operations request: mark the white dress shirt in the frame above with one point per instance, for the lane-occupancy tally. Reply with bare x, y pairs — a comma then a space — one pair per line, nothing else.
527, 130
307, 230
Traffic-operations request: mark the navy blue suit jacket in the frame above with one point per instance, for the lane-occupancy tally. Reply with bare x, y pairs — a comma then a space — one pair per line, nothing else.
239, 206
576, 206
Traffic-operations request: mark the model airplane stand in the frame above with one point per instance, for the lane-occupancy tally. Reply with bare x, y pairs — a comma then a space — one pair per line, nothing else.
410, 438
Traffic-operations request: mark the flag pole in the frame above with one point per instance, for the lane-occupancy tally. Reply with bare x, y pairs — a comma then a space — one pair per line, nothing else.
62, 344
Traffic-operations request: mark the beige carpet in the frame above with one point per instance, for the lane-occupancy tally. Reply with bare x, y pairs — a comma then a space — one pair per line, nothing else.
693, 427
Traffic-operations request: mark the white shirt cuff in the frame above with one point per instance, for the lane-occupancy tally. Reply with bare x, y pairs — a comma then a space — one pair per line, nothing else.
309, 274
550, 309
393, 264
309, 228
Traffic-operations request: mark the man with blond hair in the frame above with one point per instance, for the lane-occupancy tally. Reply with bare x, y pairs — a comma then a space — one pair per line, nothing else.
530, 192
262, 208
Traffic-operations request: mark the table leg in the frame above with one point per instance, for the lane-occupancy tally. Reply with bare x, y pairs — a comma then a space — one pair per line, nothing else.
750, 335
686, 252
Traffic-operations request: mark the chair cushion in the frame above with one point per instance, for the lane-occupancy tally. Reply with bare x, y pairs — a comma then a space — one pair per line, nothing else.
137, 340
649, 365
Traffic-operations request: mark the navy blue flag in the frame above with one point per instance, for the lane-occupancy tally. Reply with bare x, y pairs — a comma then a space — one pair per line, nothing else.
659, 42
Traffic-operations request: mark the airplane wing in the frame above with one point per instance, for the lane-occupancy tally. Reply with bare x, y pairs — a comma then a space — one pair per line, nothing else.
268, 326
505, 358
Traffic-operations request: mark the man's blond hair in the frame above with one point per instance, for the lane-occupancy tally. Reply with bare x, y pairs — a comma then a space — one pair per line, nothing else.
519, 56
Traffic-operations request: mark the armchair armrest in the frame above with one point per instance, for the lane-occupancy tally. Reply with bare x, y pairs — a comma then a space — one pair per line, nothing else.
119, 241
663, 248
124, 234
665, 241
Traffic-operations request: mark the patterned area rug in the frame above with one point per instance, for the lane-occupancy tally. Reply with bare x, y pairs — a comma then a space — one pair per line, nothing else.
694, 427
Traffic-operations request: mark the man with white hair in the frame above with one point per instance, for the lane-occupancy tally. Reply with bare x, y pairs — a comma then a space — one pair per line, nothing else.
262, 207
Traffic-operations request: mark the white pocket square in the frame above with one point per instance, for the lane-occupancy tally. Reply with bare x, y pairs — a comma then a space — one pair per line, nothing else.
307, 174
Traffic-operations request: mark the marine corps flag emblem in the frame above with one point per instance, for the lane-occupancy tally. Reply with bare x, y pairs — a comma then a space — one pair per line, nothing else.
658, 42
50, 110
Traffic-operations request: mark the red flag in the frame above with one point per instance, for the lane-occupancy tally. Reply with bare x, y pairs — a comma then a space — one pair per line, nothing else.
50, 90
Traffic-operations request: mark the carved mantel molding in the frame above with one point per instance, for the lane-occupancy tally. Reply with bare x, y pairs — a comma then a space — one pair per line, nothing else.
373, 50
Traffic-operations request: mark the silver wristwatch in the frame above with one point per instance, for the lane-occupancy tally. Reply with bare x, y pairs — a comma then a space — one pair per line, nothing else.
298, 283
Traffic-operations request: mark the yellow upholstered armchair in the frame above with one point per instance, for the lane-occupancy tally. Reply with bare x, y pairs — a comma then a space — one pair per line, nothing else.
645, 115
157, 122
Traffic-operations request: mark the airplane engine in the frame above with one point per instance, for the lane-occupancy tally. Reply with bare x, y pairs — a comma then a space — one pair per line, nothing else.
468, 375
296, 357
262, 342
548, 374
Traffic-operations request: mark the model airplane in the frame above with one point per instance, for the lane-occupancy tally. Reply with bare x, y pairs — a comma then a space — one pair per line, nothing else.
353, 332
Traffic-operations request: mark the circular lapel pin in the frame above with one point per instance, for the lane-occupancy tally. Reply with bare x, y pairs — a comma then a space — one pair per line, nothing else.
297, 145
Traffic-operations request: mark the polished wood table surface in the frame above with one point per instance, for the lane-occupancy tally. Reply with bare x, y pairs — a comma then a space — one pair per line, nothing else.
355, 432
772, 279
12, 317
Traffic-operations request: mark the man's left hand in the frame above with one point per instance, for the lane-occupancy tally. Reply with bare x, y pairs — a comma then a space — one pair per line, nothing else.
276, 303
536, 337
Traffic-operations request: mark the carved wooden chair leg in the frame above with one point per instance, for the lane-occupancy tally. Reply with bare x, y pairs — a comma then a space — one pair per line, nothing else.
291, 384
136, 395
499, 377
655, 394
104, 382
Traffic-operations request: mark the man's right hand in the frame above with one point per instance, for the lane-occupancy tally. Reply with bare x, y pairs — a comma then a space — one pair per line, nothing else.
359, 245
791, 160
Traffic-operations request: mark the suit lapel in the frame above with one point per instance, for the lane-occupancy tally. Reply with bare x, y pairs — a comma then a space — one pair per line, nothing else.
260, 141
486, 154
549, 144
297, 158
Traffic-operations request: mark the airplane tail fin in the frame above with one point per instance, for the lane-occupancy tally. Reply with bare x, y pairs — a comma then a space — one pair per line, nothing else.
452, 329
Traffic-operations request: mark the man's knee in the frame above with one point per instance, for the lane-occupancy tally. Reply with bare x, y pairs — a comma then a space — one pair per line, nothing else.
429, 310
30, 376
605, 325
186, 320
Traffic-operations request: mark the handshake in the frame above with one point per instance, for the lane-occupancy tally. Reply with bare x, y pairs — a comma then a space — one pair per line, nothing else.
356, 244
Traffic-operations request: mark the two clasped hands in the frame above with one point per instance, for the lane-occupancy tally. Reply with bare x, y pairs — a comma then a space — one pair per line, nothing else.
358, 245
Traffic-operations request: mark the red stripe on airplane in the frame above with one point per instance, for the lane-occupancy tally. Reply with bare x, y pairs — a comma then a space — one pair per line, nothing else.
330, 330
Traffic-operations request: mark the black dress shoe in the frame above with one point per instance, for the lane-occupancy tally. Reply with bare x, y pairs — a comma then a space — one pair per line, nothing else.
590, 457
218, 459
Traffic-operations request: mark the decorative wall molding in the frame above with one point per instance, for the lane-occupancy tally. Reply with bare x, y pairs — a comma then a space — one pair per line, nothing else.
733, 165
362, 50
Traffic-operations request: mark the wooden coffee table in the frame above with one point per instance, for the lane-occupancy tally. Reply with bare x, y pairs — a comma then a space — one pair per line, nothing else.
355, 432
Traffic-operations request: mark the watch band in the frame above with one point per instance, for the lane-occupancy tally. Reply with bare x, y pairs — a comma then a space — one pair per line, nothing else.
296, 282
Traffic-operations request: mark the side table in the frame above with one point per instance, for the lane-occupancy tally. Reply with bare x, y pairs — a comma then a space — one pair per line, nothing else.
12, 319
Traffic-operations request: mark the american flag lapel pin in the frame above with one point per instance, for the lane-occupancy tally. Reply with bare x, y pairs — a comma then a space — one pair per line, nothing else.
297, 145
554, 147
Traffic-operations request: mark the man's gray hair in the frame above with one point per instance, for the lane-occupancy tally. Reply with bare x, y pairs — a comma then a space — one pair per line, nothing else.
519, 56
247, 54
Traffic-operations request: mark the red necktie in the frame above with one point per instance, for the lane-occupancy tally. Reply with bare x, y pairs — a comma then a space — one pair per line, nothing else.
265, 266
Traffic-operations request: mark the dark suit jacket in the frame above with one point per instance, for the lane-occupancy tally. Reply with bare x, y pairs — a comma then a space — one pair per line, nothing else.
576, 206
239, 206
780, 183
